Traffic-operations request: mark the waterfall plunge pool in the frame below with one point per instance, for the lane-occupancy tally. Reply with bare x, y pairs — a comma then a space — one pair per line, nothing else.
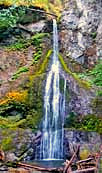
48, 163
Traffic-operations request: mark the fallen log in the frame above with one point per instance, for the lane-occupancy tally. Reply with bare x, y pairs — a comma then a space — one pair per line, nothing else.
38, 168
2, 155
42, 11
68, 163
87, 163
88, 170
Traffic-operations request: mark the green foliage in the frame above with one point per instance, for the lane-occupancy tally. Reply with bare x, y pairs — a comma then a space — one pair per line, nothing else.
19, 71
97, 74
27, 114
37, 55
10, 16
19, 45
7, 109
88, 123
33, 120
53, 7
7, 143
92, 123
45, 62
37, 42
93, 35
70, 120
37, 39
99, 93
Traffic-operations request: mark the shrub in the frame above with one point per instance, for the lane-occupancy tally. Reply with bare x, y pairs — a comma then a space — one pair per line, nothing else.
97, 74
10, 16
19, 71
87, 123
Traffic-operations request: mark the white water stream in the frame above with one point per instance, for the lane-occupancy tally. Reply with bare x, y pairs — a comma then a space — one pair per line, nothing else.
54, 108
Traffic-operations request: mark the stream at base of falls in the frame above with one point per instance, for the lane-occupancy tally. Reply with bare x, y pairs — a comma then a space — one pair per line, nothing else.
48, 163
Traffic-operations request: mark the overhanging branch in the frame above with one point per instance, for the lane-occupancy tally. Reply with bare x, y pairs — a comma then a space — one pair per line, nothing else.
42, 11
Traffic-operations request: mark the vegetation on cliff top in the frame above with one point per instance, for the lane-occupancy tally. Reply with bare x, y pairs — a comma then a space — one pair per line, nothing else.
53, 6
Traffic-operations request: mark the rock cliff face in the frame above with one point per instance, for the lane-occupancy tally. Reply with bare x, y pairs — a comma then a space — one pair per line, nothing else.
81, 32
81, 44
89, 142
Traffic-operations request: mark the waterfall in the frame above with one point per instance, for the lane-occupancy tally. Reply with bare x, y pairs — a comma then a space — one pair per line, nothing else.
54, 108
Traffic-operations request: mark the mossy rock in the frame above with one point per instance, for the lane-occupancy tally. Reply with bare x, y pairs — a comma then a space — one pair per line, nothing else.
84, 153
82, 83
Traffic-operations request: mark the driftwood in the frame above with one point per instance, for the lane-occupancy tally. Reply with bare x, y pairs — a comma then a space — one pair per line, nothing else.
42, 11
69, 169
38, 168
87, 163
2, 155
68, 163
88, 170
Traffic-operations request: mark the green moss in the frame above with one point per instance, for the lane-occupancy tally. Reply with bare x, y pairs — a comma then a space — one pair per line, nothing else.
82, 83
84, 153
99, 93
87, 123
96, 74
6, 143
37, 56
42, 67
19, 45
35, 98
93, 35
45, 62
37, 41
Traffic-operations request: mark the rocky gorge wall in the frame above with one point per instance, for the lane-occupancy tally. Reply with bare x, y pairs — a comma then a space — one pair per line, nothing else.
81, 34
80, 45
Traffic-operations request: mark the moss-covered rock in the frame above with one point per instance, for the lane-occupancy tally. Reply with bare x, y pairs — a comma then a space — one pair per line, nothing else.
82, 83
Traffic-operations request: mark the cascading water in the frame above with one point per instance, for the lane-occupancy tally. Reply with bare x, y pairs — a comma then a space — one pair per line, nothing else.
54, 108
